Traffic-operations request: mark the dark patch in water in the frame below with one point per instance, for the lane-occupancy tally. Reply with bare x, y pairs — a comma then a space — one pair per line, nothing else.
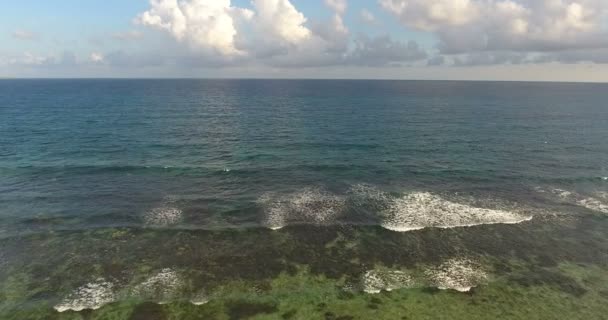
246, 309
289, 314
345, 295
148, 311
332, 316
375, 300
541, 276
430, 290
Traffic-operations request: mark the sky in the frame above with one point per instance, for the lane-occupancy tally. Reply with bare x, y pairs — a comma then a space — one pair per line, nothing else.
525, 40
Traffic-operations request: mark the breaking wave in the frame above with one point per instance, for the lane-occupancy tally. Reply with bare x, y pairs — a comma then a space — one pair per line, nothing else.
421, 210
413, 211
457, 274
375, 281
162, 287
91, 296
309, 206
598, 201
460, 274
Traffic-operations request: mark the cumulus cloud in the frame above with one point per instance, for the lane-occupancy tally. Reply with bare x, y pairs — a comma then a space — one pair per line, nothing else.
272, 33
209, 25
279, 21
507, 25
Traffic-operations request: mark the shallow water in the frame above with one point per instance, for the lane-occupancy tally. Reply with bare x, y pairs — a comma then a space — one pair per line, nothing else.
231, 199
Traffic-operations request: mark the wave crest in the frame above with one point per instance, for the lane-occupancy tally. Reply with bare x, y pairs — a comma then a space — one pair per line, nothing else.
375, 281
421, 210
309, 206
598, 201
162, 287
457, 274
91, 296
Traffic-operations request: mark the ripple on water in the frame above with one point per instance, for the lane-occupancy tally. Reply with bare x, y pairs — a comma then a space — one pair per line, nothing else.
163, 216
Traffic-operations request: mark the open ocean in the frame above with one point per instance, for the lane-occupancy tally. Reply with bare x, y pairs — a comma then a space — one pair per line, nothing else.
303, 199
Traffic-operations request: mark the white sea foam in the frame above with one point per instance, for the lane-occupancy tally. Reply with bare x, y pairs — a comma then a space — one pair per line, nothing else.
309, 206
456, 274
597, 202
161, 287
200, 299
163, 216
563, 194
92, 296
594, 204
368, 196
602, 194
421, 210
375, 281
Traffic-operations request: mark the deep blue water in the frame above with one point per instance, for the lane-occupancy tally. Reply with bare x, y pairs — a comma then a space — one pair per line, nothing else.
95, 153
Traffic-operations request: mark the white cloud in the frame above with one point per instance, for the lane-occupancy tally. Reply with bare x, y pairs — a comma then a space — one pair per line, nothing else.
273, 33
209, 25
339, 6
280, 20
524, 25
431, 14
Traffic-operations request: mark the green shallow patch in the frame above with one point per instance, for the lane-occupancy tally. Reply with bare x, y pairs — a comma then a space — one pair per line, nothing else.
307, 296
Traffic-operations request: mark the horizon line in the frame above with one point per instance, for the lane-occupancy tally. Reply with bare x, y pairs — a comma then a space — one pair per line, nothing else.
301, 79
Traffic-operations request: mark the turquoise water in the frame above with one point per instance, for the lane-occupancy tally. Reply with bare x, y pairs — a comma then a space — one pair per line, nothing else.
165, 191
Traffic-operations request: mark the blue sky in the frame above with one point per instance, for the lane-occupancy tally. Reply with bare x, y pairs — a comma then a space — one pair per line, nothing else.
428, 39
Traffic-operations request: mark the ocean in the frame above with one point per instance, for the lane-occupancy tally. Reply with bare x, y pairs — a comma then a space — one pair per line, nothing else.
303, 199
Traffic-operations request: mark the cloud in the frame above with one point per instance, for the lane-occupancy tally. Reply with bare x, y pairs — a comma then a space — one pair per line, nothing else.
339, 6
367, 17
24, 35
272, 33
279, 20
381, 51
491, 58
28, 59
207, 25
508, 25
